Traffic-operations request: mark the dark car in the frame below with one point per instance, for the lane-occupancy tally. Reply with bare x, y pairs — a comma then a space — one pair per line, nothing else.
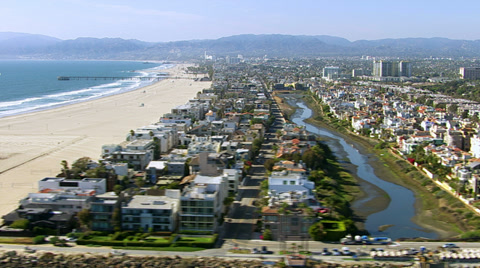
449, 245
325, 252
265, 250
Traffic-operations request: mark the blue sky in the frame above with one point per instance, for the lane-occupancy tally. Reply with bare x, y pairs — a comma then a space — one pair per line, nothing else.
173, 20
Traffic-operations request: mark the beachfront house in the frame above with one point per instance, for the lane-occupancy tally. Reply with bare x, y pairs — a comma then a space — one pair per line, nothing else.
164, 134
60, 222
137, 154
98, 185
71, 201
193, 109
102, 211
151, 213
202, 203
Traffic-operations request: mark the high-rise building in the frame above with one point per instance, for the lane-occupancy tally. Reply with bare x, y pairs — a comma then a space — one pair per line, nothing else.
405, 68
331, 72
471, 73
383, 68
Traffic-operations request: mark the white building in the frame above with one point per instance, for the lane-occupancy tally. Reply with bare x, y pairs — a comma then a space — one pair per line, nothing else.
99, 185
202, 203
71, 201
475, 145
233, 178
290, 188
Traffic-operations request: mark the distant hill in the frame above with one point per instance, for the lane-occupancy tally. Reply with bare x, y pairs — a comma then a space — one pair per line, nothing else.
15, 45
22, 43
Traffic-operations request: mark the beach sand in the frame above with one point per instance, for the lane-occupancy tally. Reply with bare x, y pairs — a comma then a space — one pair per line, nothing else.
33, 145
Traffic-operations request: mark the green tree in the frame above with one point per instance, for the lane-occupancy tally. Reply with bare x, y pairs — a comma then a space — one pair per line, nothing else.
140, 182
65, 169
267, 234
228, 201
317, 232
116, 219
269, 164
85, 218
118, 188
20, 224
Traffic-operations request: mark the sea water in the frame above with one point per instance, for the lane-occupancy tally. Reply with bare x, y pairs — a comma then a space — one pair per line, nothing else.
33, 85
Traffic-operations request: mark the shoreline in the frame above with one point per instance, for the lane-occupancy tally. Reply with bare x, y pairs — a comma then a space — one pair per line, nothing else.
168, 66
34, 144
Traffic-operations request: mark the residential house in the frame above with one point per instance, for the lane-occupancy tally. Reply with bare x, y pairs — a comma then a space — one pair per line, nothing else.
202, 203
156, 213
102, 211
54, 183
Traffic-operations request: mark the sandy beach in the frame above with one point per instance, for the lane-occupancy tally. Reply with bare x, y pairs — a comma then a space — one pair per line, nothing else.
33, 145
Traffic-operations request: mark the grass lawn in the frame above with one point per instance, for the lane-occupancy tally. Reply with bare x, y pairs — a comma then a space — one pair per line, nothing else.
100, 238
196, 239
18, 240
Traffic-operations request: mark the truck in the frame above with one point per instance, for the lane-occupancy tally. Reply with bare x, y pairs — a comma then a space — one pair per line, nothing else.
365, 240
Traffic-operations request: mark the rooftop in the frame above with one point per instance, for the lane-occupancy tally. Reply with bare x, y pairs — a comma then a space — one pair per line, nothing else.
150, 202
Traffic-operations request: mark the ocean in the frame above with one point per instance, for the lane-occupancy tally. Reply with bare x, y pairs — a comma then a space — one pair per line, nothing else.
33, 85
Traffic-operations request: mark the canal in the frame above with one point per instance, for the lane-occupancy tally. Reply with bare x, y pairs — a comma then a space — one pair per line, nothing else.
399, 211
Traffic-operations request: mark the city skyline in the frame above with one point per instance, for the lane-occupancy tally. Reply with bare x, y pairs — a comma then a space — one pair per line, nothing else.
162, 21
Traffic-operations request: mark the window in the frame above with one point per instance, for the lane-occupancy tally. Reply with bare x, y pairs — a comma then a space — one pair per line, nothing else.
292, 182
285, 183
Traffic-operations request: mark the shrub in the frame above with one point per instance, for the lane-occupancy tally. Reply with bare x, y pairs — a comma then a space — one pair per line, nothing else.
267, 234
39, 239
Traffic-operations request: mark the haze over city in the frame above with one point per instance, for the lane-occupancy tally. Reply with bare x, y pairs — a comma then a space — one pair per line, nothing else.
163, 21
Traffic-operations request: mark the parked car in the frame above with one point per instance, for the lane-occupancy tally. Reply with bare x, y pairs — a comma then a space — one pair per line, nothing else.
117, 253
335, 252
28, 249
346, 251
265, 250
449, 245
325, 252
71, 239
255, 251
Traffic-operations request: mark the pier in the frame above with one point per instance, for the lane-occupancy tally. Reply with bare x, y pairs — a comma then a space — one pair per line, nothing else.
142, 78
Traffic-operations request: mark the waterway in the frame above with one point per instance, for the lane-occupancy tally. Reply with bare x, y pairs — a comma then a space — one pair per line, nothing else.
399, 211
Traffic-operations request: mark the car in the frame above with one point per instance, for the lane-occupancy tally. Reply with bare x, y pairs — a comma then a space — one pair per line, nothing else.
346, 251
117, 253
71, 239
449, 245
265, 250
255, 251
335, 252
325, 252
28, 249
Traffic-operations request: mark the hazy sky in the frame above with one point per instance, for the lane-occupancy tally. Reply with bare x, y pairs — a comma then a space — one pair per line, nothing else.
173, 20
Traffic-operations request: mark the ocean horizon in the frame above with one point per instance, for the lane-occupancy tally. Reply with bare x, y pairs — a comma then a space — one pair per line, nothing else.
32, 85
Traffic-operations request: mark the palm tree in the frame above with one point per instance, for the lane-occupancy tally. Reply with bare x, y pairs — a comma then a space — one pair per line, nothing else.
65, 169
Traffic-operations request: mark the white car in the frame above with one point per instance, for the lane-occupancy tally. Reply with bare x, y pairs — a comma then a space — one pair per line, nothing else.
118, 253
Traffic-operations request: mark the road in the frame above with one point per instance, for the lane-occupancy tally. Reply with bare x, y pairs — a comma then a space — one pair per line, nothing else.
242, 220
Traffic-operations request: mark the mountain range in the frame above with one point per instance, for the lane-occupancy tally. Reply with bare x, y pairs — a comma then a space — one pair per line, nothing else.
23, 45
